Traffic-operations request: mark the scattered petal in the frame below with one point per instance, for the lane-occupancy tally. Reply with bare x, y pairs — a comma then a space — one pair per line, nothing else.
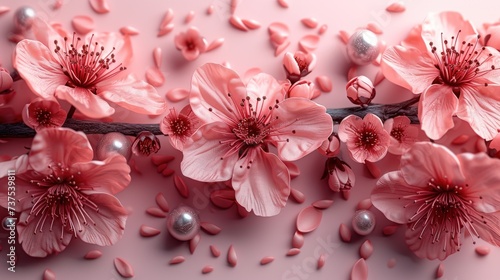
309, 43
322, 29
207, 269
322, 204
373, 169
234, 5
157, 57
251, 23
396, 7
309, 22
129, 30
389, 230
293, 252
4, 9
210, 228
344, 36
366, 249
346, 194
91, 255
181, 186
374, 27
147, 231
242, 211
232, 259
177, 94
278, 27
134, 167
482, 250
193, 243
222, 198
321, 261
215, 252
281, 48
123, 268
324, 83
293, 169
283, 3
266, 260
99, 6
298, 240
461, 139
364, 204
189, 17
297, 195
210, 10
162, 202
215, 44
359, 270
160, 159
345, 233
49, 275
440, 270
167, 172
237, 23
165, 30
481, 146
391, 263
177, 260
155, 77
167, 18
308, 219
156, 212
82, 24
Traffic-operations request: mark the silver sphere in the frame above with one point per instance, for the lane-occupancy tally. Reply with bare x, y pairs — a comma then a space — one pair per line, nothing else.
113, 143
183, 223
363, 222
9, 223
363, 47
24, 18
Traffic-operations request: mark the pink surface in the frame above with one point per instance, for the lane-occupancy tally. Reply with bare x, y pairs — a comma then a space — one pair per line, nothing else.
253, 238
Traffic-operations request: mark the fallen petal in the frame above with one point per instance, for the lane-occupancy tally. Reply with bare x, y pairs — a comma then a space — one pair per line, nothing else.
440, 270
4, 10
281, 48
210, 10
232, 259
359, 270
389, 230
215, 252
177, 94
345, 233
162, 202
15, 37
242, 211
167, 172
237, 23
156, 212
165, 30
91, 255
364, 204
373, 169
283, 3
293, 252
167, 18
129, 30
374, 27
157, 56
82, 24
278, 27
123, 268
207, 269
222, 198
297, 195
266, 260
210, 228
298, 240
352, 72
309, 42
308, 219
324, 83
482, 250
344, 36
321, 261
159, 159
155, 77
181, 186
396, 7
251, 23
293, 169
309, 22
147, 231
322, 29
193, 243
481, 146
189, 17
234, 4
215, 44
99, 6
391, 263
49, 275
322, 204
177, 260
366, 249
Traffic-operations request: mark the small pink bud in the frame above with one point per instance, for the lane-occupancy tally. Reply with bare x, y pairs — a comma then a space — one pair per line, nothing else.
298, 65
5, 80
340, 175
360, 91
145, 143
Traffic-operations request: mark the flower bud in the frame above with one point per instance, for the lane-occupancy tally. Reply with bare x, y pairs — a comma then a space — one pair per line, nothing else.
340, 175
304, 89
360, 91
5, 80
145, 143
298, 65
331, 146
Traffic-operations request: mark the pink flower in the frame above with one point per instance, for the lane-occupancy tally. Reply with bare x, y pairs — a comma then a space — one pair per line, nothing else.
84, 72
439, 196
190, 43
331, 146
298, 65
62, 194
360, 91
180, 127
303, 88
145, 143
366, 138
242, 122
403, 134
42, 113
340, 175
442, 60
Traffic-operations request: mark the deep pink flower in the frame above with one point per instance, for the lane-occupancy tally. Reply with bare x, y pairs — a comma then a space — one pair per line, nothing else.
366, 138
62, 194
145, 143
298, 65
242, 122
84, 72
403, 134
440, 196
360, 91
42, 113
179, 127
190, 43
443, 61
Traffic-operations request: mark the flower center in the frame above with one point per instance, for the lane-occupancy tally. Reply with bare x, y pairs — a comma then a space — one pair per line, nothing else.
398, 133
180, 126
460, 62
86, 64
147, 146
367, 138
250, 131
43, 117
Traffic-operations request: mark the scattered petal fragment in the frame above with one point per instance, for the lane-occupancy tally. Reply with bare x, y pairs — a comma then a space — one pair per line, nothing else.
251, 23
207, 269
364, 204
215, 44
322, 29
322, 204
461, 139
321, 261
482, 250
359, 270
165, 30
215, 252
147, 231
324, 83
129, 30
156, 212
344, 36
193, 243
309, 22
91, 255
232, 259
181, 186
160, 159
210, 228
177, 260
4, 10
162, 202
283, 3
266, 260
189, 17
366, 249
345, 233
293, 252
374, 27
99, 6
308, 219
309, 43
177, 94
440, 270
298, 240
389, 230
396, 7
157, 56
237, 23
155, 77
297, 195
123, 268
49, 275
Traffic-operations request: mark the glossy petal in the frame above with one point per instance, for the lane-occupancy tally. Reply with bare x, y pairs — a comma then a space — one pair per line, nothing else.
421, 242
436, 109
266, 85
87, 103
445, 23
111, 175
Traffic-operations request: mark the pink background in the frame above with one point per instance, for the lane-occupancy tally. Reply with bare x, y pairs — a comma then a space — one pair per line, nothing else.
252, 237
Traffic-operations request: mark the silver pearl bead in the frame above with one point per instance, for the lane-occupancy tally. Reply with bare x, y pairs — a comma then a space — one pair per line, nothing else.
113, 143
9, 223
183, 223
363, 47
363, 222
24, 18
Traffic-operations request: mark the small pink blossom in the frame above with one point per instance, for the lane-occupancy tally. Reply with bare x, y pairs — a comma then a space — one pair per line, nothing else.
190, 43
360, 91
331, 146
145, 144
340, 175
303, 88
439, 196
242, 122
179, 127
298, 65
366, 138
442, 60
403, 134
84, 72
63, 194
42, 113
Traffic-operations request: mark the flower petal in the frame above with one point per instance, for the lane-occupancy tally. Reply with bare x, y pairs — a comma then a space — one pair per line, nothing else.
206, 159
409, 68
111, 175
120, 45
38, 68
53, 146
261, 182
134, 95
86, 102
445, 24
300, 127
266, 85
476, 107
487, 227
424, 244
210, 86
437, 106
109, 221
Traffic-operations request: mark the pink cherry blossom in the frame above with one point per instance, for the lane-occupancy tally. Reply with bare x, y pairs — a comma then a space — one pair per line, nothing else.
403, 134
62, 194
366, 138
242, 123
179, 127
84, 72
298, 65
440, 196
145, 144
41, 113
190, 43
443, 61
360, 91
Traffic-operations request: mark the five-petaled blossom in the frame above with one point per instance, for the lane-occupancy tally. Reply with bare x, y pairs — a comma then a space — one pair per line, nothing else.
403, 134
443, 61
84, 72
179, 127
242, 125
190, 43
63, 194
440, 196
366, 138
41, 113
